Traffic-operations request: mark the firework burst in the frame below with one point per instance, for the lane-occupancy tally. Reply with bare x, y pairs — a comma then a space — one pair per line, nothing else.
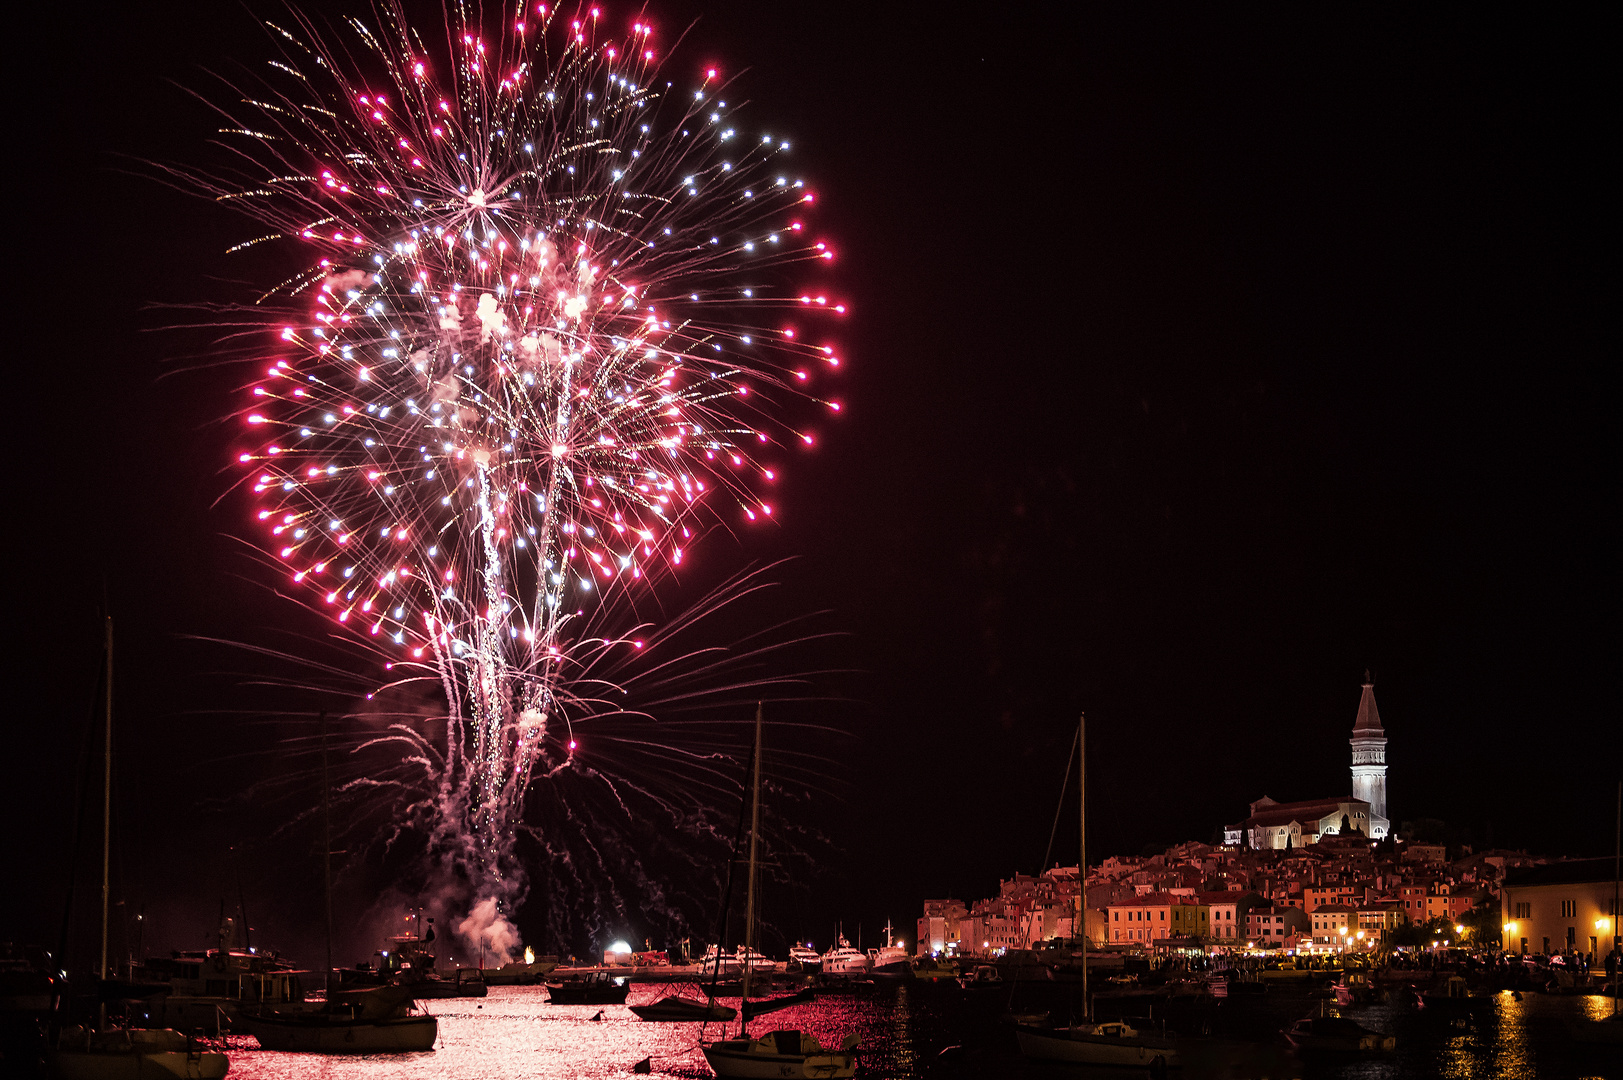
543, 337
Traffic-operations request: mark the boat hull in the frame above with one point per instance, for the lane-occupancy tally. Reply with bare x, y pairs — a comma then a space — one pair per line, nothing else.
1081, 1049
591, 995
88, 1065
683, 1010
400, 1035
737, 1060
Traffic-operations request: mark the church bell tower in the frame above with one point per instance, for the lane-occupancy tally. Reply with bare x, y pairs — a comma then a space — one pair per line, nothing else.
1369, 753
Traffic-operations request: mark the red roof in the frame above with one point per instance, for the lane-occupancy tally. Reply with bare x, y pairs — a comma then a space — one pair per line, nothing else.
1158, 900
1305, 812
1369, 717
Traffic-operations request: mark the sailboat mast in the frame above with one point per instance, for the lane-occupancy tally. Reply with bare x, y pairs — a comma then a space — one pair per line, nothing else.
107, 804
326, 848
1617, 881
1082, 855
755, 832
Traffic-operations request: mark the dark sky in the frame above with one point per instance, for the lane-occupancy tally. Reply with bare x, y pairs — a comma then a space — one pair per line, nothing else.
1198, 362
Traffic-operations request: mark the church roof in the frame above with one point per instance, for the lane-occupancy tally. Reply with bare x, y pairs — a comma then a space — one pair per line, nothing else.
1369, 717
1305, 812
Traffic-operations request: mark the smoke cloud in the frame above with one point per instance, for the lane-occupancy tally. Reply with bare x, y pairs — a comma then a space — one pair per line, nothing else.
487, 929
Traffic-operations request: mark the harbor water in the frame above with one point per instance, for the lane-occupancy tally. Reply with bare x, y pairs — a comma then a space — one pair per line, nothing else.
929, 1032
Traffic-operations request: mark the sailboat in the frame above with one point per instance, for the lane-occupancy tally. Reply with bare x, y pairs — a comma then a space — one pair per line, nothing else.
786, 1053
1087, 1043
378, 1020
124, 1052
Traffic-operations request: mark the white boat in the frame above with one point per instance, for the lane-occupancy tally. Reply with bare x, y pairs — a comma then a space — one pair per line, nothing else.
782, 1054
142, 1053
1114, 1043
718, 965
842, 961
1087, 1043
757, 963
776, 1054
806, 956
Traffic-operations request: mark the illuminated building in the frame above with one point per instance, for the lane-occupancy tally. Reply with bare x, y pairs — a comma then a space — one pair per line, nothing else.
1275, 825
1562, 907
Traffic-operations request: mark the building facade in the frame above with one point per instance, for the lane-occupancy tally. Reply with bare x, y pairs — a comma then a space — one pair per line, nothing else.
1149, 918
1562, 907
939, 926
1276, 826
1269, 927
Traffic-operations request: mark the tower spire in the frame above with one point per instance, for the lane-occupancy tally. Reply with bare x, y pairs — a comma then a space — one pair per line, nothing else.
1369, 757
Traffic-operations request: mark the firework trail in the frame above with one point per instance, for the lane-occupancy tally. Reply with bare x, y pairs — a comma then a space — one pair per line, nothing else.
551, 306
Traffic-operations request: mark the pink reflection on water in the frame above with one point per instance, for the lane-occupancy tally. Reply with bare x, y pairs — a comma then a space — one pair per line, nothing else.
514, 1033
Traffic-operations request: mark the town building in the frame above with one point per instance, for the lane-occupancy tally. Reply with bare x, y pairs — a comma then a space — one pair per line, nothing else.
1562, 907
1379, 919
1268, 927
1334, 919
1317, 896
1159, 915
1226, 916
939, 926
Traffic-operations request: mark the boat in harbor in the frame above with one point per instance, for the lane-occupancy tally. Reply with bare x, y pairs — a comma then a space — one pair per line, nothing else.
842, 961
463, 983
379, 1020
209, 989
589, 988
1331, 1034
890, 962
370, 1020
82, 1054
79, 1052
1353, 989
932, 969
677, 1008
1087, 1043
1454, 998
1114, 1043
983, 977
760, 965
805, 958
322, 1033
783, 1053
716, 964
1231, 982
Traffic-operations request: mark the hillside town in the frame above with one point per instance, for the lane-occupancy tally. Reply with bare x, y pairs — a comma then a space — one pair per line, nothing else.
1322, 876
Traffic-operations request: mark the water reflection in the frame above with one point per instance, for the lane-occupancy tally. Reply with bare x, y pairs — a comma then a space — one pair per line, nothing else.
935, 1033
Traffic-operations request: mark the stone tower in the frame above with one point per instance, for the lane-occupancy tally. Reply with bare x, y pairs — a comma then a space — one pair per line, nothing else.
1369, 753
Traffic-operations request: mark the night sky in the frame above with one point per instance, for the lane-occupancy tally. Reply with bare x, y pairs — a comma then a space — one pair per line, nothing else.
1198, 362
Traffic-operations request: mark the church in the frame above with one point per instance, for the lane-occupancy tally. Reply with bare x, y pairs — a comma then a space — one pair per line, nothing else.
1280, 825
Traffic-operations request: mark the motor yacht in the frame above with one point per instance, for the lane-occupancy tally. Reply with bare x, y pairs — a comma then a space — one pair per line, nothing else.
842, 961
